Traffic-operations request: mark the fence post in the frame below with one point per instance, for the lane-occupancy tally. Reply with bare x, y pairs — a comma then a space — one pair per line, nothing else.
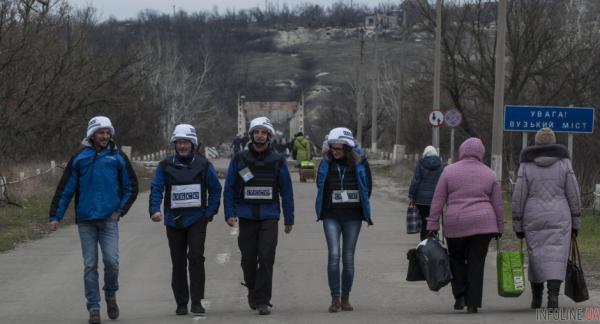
127, 151
21, 175
53, 167
597, 198
2, 186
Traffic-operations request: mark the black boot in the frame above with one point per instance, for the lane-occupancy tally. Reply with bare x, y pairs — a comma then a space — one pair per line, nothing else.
537, 290
251, 299
553, 291
459, 303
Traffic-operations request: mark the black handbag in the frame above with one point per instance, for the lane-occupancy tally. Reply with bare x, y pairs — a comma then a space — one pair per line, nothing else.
575, 287
413, 219
414, 269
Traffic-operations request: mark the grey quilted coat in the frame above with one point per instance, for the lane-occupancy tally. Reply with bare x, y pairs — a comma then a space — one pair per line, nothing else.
546, 206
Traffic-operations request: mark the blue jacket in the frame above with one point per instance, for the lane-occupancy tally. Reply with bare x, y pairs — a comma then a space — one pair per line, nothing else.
424, 180
363, 177
272, 210
103, 183
212, 184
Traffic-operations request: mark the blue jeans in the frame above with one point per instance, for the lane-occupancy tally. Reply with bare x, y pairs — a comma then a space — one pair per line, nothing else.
106, 233
348, 230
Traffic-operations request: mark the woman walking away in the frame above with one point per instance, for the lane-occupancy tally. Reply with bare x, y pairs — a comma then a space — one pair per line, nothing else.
422, 185
473, 216
546, 210
344, 187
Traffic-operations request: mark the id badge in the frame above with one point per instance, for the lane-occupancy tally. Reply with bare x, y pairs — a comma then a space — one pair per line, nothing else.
246, 174
345, 197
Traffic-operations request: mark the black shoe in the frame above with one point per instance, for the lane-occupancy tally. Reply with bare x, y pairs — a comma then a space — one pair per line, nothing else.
112, 309
181, 309
197, 308
459, 303
263, 309
553, 292
94, 316
251, 299
471, 310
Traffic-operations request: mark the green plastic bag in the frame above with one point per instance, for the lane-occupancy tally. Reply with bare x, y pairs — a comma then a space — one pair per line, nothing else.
307, 165
511, 276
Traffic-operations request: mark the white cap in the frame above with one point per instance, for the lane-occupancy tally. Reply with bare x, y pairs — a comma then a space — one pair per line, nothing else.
263, 122
430, 151
341, 135
97, 123
185, 131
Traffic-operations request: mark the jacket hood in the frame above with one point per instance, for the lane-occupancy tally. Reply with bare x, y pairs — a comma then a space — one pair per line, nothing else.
431, 162
544, 155
86, 142
471, 148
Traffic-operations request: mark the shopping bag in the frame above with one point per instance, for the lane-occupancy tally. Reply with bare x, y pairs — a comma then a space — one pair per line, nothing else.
414, 269
575, 287
511, 276
434, 262
413, 219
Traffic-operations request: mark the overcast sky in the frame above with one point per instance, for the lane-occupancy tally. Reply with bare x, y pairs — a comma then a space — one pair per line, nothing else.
122, 9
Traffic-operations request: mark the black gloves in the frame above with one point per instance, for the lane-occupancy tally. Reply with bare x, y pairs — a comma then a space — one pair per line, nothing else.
432, 234
574, 232
498, 236
520, 235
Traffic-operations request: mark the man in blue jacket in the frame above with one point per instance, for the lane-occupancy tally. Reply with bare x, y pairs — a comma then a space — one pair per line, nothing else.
192, 197
105, 187
256, 179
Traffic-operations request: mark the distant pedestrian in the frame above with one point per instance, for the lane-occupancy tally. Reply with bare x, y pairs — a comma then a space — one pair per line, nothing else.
422, 186
236, 144
258, 184
343, 189
192, 195
105, 186
245, 141
474, 215
546, 210
302, 147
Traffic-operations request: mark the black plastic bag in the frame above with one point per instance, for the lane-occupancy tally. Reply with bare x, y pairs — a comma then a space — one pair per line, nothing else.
575, 286
434, 262
414, 269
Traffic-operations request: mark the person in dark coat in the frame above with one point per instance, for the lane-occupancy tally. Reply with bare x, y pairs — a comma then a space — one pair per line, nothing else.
546, 210
422, 186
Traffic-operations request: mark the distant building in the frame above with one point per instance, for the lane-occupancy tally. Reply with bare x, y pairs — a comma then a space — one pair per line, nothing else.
381, 21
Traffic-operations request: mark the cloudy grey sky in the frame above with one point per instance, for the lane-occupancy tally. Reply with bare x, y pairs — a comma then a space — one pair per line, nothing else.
122, 9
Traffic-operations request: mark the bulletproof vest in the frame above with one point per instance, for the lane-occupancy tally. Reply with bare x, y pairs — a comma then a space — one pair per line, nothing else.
185, 184
263, 186
338, 181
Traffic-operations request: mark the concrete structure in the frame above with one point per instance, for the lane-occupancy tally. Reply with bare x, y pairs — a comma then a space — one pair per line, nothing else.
286, 116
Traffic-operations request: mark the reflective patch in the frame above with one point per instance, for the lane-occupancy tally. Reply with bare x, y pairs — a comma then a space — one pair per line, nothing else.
186, 196
258, 193
345, 196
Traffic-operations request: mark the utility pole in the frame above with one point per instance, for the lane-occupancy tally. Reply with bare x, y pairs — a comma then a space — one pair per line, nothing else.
401, 90
359, 89
435, 141
497, 129
374, 93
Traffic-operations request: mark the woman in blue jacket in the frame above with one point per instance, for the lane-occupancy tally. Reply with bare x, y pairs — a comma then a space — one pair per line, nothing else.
192, 195
423, 183
344, 187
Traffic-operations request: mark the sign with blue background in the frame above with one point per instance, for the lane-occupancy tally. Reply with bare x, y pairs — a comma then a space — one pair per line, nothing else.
559, 119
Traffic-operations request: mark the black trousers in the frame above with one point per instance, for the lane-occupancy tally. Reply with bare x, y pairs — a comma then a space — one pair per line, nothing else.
187, 244
467, 260
424, 213
257, 241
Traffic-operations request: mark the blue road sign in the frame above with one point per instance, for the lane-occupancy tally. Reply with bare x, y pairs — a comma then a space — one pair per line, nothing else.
559, 119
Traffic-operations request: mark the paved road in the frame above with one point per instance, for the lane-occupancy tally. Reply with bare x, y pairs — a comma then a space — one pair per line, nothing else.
41, 281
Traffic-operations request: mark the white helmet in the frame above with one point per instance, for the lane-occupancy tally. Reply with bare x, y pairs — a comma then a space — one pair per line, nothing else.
97, 123
185, 131
263, 122
341, 135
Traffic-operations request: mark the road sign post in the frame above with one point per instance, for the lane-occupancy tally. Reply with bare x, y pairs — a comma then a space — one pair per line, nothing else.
453, 119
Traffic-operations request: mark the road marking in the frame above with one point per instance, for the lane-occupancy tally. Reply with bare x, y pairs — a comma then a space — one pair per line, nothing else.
223, 258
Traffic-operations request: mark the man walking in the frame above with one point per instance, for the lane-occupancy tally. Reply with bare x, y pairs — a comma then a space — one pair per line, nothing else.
192, 197
106, 186
256, 179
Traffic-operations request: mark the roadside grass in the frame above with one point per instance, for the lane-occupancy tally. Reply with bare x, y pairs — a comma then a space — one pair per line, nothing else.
19, 225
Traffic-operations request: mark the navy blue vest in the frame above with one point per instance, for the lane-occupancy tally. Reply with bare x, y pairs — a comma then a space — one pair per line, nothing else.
263, 187
177, 173
334, 183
